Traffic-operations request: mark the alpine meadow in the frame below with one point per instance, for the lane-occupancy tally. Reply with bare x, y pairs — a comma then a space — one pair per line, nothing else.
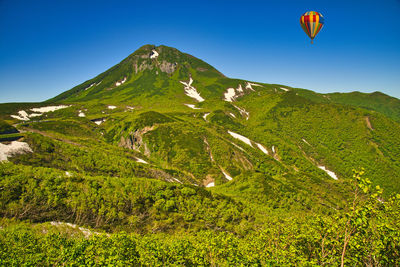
162, 160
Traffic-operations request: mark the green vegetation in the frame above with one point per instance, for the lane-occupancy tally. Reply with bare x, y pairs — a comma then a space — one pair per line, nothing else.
366, 233
6, 128
143, 179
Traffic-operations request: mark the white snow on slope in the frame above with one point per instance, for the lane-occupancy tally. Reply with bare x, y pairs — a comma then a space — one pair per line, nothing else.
262, 148
233, 115
284, 89
81, 114
190, 91
98, 122
35, 115
273, 149
23, 116
210, 184
86, 232
241, 138
129, 107
230, 94
176, 180
205, 116
243, 112
191, 106
249, 86
330, 173
111, 107
237, 146
49, 108
226, 175
13, 148
141, 161
90, 86
120, 82
305, 141
154, 54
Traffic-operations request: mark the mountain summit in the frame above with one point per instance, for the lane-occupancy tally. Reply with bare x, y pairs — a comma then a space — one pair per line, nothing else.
150, 70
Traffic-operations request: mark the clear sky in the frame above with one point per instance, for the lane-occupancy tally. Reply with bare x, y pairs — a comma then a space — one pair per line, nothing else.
47, 47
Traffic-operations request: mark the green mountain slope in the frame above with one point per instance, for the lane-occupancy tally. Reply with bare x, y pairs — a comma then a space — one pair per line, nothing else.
163, 142
377, 101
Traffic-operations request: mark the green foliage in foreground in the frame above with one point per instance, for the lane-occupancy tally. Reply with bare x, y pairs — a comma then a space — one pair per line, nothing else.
113, 203
367, 233
6, 128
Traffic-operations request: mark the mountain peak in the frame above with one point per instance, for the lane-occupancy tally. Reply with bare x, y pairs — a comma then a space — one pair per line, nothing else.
149, 66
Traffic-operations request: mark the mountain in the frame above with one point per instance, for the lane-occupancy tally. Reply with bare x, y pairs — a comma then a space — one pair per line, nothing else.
164, 143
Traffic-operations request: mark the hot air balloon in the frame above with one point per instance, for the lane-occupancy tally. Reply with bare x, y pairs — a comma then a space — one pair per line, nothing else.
312, 23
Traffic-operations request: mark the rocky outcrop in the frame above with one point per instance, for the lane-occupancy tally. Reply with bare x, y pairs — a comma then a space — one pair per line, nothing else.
168, 67
143, 66
134, 140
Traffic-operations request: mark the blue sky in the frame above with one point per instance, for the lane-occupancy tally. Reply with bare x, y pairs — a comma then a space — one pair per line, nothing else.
47, 47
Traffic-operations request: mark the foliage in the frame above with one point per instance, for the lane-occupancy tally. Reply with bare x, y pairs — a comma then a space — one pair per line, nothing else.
366, 233
136, 179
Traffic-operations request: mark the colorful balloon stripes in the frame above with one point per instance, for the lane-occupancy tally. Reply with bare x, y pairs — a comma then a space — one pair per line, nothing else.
312, 23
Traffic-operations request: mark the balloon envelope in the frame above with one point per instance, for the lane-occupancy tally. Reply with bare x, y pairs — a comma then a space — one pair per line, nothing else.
312, 23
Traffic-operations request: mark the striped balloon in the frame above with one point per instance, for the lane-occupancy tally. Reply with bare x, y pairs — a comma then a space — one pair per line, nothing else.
312, 22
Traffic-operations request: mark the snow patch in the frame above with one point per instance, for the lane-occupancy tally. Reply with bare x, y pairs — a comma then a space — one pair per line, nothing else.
226, 175
237, 146
205, 116
190, 91
176, 180
305, 141
230, 94
129, 107
141, 161
284, 89
154, 54
233, 115
86, 232
262, 148
249, 86
191, 106
273, 149
15, 147
118, 83
111, 107
243, 112
49, 108
330, 173
241, 138
99, 121
210, 184
81, 114
93, 84
23, 116
35, 115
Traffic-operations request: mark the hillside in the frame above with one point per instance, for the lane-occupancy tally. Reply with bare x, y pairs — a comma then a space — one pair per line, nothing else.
164, 146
